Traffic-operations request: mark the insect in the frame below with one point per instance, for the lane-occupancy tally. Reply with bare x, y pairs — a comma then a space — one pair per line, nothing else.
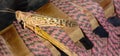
35, 21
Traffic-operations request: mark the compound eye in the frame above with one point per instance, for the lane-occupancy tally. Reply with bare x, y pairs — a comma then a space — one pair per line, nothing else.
16, 15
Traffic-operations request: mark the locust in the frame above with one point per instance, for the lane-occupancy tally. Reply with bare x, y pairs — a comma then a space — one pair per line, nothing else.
35, 21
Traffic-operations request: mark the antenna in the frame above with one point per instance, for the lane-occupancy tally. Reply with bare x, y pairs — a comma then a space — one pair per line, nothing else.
7, 10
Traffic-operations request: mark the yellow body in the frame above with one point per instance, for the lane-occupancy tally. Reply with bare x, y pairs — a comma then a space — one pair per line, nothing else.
42, 21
